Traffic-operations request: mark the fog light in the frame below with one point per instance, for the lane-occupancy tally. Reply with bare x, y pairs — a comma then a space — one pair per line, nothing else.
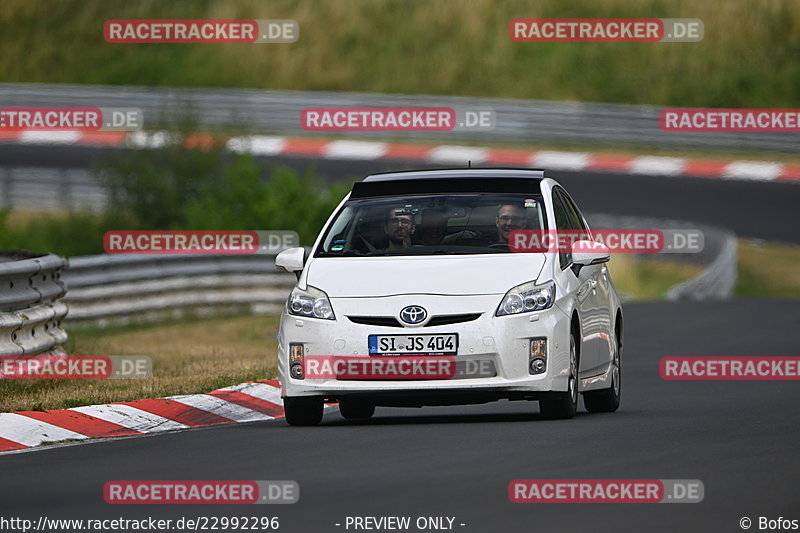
537, 366
296, 361
296, 371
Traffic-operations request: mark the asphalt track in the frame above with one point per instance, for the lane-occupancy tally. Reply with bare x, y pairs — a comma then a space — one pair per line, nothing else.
739, 438
751, 209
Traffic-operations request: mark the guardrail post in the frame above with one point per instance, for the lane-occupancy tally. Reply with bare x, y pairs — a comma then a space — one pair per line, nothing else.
5, 186
64, 189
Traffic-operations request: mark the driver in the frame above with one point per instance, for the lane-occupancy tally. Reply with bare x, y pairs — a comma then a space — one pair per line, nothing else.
510, 217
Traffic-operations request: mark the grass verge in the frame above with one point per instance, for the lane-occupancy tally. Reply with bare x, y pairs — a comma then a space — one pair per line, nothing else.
644, 279
189, 357
768, 269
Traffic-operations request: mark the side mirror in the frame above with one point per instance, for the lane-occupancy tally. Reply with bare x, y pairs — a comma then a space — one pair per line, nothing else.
291, 260
585, 253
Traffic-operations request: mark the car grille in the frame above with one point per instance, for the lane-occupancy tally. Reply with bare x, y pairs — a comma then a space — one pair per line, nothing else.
392, 322
443, 320
385, 321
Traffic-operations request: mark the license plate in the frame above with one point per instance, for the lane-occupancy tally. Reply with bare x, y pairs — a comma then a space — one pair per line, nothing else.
446, 344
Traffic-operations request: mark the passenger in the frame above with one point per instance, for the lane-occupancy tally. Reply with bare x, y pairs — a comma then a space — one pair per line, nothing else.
433, 227
399, 228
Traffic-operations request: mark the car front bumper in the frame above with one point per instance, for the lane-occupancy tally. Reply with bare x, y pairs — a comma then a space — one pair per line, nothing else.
505, 341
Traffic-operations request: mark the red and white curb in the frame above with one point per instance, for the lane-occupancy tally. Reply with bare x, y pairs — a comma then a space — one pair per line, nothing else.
247, 402
268, 145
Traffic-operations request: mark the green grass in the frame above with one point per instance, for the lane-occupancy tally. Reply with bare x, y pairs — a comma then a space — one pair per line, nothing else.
642, 279
748, 57
768, 269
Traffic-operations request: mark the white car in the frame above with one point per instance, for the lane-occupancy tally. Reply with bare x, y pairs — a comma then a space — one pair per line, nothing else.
412, 296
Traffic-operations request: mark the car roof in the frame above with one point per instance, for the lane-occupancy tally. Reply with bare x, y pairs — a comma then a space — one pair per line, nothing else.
447, 181
463, 173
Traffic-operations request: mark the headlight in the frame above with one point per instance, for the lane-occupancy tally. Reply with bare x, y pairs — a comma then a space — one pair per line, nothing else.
527, 297
311, 302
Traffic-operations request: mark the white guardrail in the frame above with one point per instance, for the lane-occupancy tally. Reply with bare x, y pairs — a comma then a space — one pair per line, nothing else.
718, 257
259, 111
31, 308
121, 289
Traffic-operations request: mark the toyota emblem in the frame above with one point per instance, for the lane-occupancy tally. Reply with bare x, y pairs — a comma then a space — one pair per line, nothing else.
413, 314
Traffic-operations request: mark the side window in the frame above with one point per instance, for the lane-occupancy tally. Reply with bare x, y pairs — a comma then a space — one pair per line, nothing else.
562, 223
574, 208
575, 218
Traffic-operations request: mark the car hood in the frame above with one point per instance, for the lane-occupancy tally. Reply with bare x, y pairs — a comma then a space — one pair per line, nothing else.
354, 277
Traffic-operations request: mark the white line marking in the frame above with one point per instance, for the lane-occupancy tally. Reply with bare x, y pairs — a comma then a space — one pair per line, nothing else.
355, 150
130, 417
32, 432
49, 137
142, 139
257, 145
752, 170
560, 160
458, 154
660, 166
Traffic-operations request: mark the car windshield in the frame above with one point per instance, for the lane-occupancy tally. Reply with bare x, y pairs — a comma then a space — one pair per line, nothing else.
431, 224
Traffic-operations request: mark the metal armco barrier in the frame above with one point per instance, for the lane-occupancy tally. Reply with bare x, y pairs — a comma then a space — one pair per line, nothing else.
259, 111
718, 258
31, 309
120, 289
718, 280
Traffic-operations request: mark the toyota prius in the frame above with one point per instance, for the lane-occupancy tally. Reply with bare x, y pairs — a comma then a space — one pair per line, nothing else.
423, 289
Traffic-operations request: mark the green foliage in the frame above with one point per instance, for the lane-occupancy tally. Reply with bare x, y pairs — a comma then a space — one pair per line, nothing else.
181, 188
75, 233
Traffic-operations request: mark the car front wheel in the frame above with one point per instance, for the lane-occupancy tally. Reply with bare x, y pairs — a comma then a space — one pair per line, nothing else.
356, 409
607, 400
303, 411
564, 404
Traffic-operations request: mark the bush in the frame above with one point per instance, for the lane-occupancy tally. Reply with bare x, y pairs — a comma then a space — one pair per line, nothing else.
181, 189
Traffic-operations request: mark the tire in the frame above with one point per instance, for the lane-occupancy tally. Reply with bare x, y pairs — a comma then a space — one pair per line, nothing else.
303, 411
564, 405
607, 400
356, 409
